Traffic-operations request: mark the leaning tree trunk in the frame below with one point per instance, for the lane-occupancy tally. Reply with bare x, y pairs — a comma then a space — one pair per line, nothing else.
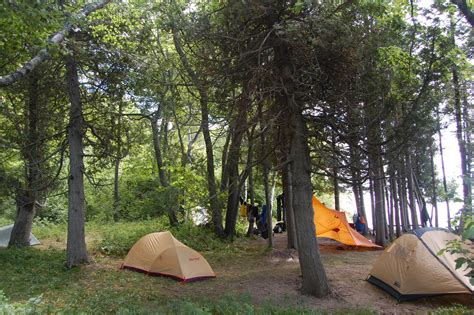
76, 242
314, 276
466, 176
232, 166
203, 101
27, 196
159, 161
463, 152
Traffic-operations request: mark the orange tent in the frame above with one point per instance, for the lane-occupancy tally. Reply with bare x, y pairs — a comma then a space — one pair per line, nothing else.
333, 224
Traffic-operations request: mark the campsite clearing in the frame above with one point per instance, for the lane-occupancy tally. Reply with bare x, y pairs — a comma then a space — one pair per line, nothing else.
248, 277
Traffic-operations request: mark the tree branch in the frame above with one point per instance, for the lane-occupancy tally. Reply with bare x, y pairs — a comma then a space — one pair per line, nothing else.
466, 11
55, 39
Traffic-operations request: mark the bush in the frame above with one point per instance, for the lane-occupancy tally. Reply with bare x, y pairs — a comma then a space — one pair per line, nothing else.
116, 239
54, 210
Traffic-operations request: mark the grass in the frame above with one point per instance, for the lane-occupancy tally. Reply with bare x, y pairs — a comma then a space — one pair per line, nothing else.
34, 280
99, 288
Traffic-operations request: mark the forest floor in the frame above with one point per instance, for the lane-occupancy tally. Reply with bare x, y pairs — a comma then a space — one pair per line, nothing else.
250, 280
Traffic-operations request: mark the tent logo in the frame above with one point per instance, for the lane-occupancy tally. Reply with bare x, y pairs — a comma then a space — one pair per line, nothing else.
194, 259
397, 284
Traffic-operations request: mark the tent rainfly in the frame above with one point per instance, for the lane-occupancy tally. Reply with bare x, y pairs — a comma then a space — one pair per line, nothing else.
6, 232
161, 254
333, 224
411, 268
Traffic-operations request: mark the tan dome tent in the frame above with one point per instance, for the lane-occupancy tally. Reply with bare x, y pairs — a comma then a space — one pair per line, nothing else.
410, 268
161, 254
6, 232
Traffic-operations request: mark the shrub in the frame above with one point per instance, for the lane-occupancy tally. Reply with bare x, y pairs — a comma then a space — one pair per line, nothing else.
116, 239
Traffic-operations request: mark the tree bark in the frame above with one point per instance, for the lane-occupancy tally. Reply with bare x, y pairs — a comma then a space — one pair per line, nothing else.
314, 276
288, 205
445, 184
411, 193
458, 113
118, 158
239, 126
224, 168
27, 196
203, 101
116, 190
434, 196
394, 195
266, 167
463, 6
156, 132
376, 173
76, 243
335, 179
403, 199
466, 176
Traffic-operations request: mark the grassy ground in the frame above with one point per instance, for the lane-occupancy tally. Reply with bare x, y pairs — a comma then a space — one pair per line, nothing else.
250, 279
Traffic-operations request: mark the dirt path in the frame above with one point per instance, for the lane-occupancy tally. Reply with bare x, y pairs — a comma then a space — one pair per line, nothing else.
275, 278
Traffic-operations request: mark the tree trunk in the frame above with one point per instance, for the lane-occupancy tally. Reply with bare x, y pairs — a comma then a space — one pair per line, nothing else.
118, 158
225, 169
203, 101
314, 276
372, 200
376, 171
434, 197
76, 242
251, 188
458, 113
466, 176
266, 166
362, 211
171, 212
394, 194
334, 170
239, 126
403, 200
441, 153
288, 205
411, 193
157, 147
26, 210
116, 190
27, 196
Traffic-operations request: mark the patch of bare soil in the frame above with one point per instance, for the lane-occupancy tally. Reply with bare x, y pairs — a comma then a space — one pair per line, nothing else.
275, 277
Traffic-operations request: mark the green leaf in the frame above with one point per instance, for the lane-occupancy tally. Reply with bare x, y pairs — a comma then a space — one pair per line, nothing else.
460, 262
